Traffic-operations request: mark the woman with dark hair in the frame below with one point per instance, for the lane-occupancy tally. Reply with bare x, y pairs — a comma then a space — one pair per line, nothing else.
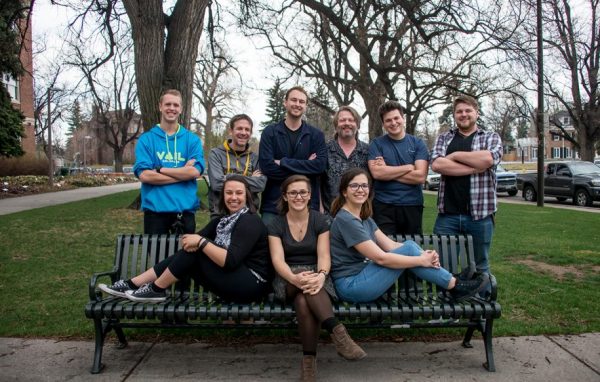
299, 244
229, 256
366, 263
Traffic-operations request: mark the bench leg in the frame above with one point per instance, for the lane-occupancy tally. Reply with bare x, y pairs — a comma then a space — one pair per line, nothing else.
121, 336
468, 335
487, 340
101, 330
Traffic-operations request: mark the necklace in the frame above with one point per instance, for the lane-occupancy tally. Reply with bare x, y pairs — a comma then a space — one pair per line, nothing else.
299, 225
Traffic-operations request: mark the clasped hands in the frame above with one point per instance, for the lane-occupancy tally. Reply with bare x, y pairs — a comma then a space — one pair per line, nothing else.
191, 242
310, 282
430, 258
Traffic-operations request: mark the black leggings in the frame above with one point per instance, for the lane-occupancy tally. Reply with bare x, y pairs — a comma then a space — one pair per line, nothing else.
238, 284
311, 311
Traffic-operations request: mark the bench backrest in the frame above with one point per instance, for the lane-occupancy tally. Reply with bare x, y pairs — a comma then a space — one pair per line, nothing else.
456, 254
136, 253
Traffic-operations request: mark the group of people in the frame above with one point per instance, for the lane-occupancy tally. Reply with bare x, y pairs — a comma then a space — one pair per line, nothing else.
326, 210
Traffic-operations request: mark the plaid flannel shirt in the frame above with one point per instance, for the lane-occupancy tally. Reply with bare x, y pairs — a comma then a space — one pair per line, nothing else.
483, 185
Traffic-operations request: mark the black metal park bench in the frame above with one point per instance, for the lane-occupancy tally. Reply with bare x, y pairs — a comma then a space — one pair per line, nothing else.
412, 303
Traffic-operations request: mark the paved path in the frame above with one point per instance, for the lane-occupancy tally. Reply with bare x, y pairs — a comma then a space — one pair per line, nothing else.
536, 358
29, 202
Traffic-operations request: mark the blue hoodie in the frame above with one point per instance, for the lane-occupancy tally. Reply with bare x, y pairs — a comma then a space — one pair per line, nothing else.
154, 148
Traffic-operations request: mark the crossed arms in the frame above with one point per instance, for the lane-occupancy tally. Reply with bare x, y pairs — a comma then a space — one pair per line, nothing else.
409, 173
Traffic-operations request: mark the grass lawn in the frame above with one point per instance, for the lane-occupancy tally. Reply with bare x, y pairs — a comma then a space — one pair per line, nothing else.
547, 262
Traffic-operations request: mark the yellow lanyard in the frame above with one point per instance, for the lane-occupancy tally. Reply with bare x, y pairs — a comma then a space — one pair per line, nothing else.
237, 159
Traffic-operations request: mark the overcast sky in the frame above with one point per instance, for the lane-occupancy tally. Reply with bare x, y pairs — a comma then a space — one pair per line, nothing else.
49, 23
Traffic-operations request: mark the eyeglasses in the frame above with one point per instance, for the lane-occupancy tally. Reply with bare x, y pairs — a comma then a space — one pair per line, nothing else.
294, 194
356, 186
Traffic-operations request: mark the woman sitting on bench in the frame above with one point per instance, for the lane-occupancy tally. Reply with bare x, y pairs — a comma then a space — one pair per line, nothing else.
299, 243
229, 256
366, 263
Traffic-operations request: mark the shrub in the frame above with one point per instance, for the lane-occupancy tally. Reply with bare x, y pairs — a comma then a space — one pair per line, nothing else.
28, 164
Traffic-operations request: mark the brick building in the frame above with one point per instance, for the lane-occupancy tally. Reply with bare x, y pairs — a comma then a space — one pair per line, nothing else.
21, 89
88, 143
555, 145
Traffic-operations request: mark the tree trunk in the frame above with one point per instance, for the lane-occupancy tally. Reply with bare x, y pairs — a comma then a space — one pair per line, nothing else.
118, 152
184, 31
148, 32
373, 95
586, 145
165, 61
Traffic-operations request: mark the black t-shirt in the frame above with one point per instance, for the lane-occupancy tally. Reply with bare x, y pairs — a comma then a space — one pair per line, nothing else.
457, 193
302, 252
293, 136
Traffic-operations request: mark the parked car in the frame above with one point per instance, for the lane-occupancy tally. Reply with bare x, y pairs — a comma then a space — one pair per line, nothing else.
577, 180
506, 181
433, 180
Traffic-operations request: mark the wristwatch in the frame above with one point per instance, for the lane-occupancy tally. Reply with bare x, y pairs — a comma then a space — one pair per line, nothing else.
157, 168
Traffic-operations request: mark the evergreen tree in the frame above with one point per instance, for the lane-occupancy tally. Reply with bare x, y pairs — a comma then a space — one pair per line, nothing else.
75, 119
11, 120
275, 109
319, 112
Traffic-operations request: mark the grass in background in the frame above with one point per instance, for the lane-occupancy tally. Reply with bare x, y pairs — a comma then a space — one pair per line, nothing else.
49, 255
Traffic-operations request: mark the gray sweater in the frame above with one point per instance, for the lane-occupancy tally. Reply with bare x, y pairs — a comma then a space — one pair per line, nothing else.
223, 160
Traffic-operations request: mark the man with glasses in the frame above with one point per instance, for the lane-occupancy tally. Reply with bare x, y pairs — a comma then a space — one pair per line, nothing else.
290, 147
398, 163
344, 151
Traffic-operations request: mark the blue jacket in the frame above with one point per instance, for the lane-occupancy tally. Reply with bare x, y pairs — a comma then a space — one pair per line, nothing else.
274, 144
155, 148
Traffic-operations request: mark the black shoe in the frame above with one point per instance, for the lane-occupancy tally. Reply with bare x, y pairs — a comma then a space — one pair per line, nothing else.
465, 274
118, 289
464, 289
146, 294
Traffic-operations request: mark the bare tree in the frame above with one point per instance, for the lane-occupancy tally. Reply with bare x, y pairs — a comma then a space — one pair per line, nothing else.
48, 77
574, 43
113, 94
407, 50
215, 91
165, 44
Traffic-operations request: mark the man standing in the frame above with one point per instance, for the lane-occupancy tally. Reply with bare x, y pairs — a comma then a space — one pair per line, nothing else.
398, 162
467, 157
289, 147
344, 151
169, 158
234, 157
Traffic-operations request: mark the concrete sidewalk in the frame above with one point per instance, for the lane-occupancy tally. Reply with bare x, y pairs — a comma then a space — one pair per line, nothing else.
538, 358
29, 202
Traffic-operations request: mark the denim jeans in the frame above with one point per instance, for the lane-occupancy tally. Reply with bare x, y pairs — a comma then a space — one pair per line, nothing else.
374, 280
481, 230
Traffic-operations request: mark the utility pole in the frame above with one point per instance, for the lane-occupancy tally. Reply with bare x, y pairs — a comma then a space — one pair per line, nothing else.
49, 123
540, 108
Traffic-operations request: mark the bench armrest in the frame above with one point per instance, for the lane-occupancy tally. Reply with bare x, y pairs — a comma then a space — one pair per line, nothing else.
94, 294
494, 287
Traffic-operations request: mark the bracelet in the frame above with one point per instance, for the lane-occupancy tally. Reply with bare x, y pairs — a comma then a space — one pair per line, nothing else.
204, 244
323, 271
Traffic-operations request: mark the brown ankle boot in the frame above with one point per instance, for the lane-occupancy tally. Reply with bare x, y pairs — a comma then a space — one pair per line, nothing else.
344, 345
309, 369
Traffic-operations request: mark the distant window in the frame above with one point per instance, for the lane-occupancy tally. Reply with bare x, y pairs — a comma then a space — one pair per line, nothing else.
567, 152
556, 152
555, 137
12, 86
566, 121
534, 151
